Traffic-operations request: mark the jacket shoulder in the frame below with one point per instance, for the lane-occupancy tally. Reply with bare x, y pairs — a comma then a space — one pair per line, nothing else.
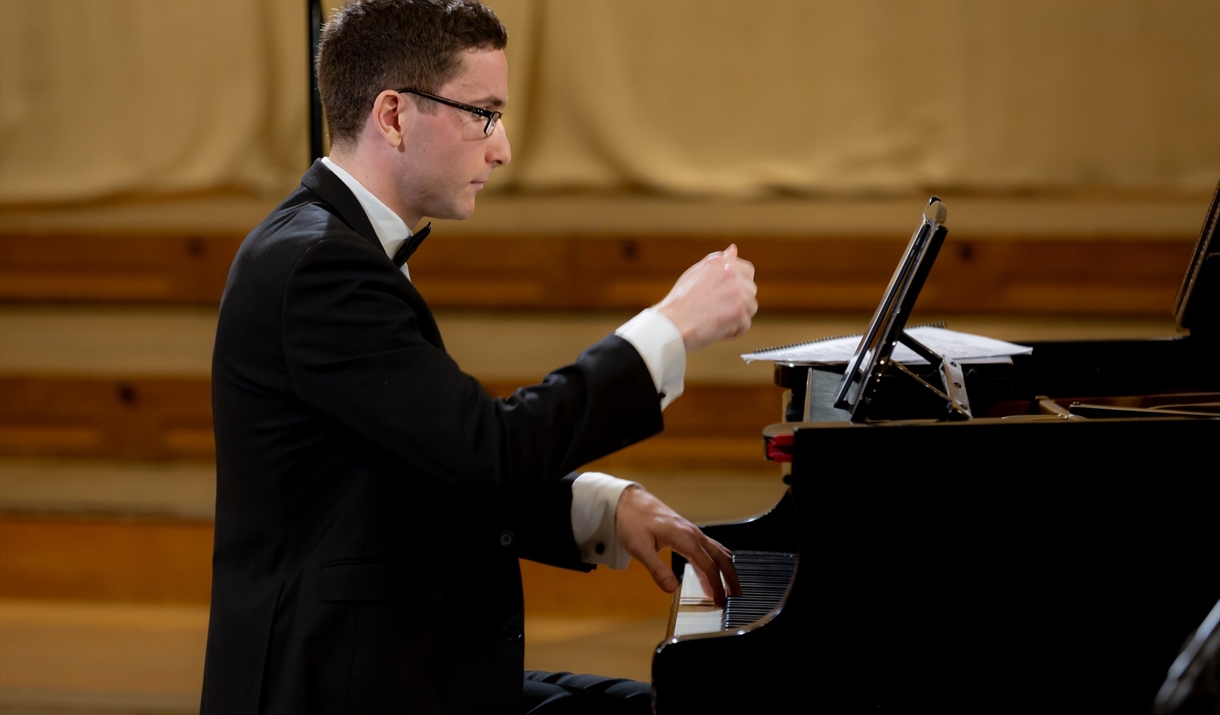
292, 229
296, 224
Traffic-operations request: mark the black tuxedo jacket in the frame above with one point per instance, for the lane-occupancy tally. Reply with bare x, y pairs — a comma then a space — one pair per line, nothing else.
372, 501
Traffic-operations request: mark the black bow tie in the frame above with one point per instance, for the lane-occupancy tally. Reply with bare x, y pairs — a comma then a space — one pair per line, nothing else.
408, 246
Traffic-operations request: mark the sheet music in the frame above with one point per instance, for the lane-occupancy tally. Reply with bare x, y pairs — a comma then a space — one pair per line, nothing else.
949, 343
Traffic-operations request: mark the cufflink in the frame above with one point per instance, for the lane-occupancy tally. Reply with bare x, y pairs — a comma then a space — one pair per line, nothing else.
514, 633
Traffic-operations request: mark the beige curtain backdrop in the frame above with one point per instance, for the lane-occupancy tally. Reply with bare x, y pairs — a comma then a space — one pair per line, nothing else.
105, 98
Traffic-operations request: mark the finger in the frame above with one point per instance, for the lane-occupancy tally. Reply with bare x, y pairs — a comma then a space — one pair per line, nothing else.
747, 268
730, 253
740, 322
662, 574
724, 558
749, 288
719, 546
708, 570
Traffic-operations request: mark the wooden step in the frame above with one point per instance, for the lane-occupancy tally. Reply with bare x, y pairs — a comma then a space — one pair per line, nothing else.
187, 490
59, 658
503, 347
1131, 214
712, 426
101, 658
74, 487
1045, 275
105, 559
151, 561
133, 383
104, 535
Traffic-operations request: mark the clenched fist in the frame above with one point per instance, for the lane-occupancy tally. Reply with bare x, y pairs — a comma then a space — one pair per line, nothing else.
714, 299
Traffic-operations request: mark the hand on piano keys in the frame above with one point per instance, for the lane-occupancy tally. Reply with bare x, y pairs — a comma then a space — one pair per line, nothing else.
646, 525
764, 578
697, 611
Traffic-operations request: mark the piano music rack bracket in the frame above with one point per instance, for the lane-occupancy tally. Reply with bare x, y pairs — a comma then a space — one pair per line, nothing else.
953, 382
948, 400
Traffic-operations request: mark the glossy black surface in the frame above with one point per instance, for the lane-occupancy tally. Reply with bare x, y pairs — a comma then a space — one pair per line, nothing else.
1013, 562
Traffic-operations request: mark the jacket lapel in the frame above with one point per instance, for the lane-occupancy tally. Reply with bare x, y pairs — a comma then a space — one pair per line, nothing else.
334, 192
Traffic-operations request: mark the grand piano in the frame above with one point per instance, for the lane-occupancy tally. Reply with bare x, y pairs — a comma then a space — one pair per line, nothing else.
1037, 534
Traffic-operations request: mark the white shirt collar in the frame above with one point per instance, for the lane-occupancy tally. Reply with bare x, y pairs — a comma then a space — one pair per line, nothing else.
391, 229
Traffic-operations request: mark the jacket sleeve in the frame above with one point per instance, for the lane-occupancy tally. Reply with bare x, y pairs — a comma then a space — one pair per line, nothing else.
541, 519
356, 353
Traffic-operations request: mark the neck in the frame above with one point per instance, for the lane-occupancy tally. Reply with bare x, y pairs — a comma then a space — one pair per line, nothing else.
373, 173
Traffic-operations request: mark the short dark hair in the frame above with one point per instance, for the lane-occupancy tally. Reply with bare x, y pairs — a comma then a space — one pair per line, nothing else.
370, 46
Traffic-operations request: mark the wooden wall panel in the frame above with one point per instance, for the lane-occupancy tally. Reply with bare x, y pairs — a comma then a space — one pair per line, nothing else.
140, 268
1048, 276
127, 418
711, 426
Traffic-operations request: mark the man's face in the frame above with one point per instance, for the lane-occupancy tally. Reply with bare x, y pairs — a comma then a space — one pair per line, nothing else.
447, 157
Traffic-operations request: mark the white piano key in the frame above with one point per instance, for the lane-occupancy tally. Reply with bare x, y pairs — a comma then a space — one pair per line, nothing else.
693, 593
698, 620
697, 612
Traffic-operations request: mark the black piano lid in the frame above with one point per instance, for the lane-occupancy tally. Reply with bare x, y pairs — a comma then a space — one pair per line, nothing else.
1198, 305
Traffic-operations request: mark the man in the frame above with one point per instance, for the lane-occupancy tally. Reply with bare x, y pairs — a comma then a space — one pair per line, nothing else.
372, 500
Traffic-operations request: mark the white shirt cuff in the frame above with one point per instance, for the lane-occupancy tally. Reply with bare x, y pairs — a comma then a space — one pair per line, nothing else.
594, 501
659, 343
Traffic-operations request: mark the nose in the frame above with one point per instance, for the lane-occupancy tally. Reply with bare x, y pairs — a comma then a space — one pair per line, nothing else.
499, 152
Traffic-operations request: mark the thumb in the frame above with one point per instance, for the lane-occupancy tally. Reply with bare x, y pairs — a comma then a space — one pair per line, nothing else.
731, 252
662, 574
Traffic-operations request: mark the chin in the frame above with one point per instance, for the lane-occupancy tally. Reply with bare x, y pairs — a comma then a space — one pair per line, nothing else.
457, 212
464, 212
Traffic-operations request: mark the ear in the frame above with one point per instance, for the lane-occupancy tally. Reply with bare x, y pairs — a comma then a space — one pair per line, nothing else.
389, 117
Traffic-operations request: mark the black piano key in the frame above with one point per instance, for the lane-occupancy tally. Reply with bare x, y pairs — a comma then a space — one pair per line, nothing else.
764, 578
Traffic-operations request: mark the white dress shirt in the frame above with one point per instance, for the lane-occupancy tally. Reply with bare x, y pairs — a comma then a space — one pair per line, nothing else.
594, 495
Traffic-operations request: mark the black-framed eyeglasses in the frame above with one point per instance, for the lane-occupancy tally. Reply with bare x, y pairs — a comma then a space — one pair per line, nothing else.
492, 117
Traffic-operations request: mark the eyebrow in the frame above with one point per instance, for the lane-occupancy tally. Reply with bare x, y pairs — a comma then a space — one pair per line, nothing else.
489, 101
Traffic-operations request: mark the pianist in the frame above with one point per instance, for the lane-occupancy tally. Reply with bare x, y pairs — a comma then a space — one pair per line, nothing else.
372, 500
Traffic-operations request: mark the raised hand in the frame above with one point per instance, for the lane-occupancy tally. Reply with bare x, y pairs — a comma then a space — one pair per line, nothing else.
646, 525
714, 299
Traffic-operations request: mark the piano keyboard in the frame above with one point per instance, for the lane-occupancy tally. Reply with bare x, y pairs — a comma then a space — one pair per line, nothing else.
764, 577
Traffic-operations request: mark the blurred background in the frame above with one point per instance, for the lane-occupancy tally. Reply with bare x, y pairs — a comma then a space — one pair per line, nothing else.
1076, 145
